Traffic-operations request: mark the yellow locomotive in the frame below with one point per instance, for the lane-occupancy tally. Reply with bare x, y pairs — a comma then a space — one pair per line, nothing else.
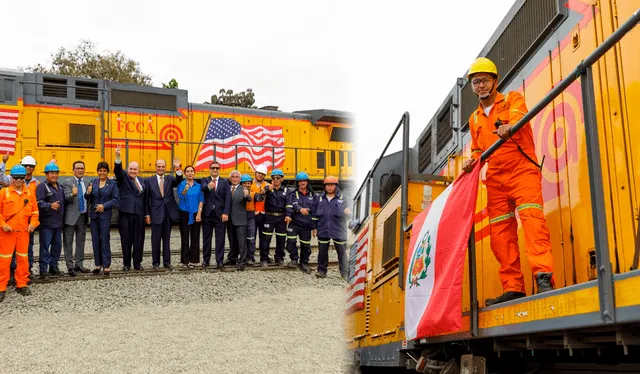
70, 118
576, 62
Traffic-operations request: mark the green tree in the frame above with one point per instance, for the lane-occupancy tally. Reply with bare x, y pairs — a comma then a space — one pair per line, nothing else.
173, 83
84, 61
243, 99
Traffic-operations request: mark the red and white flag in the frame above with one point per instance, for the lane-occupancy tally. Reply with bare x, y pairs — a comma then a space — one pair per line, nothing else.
435, 260
357, 273
8, 130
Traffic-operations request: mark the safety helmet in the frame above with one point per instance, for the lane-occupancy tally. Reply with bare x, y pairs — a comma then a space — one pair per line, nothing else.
482, 65
51, 167
261, 169
277, 172
302, 176
28, 160
330, 180
18, 170
245, 178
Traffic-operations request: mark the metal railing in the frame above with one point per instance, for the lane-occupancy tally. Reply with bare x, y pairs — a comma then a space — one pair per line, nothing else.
296, 150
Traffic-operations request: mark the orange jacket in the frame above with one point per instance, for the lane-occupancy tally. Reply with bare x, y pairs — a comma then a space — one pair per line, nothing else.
259, 205
509, 110
19, 209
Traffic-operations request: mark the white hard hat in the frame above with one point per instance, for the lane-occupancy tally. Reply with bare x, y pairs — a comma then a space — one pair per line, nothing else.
261, 169
28, 160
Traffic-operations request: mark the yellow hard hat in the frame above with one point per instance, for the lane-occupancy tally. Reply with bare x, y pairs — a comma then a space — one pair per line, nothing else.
482, 65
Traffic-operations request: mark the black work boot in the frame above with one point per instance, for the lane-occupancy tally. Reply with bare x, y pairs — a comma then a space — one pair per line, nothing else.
24, 291
305, 268
2, 296
507, 296
544, 282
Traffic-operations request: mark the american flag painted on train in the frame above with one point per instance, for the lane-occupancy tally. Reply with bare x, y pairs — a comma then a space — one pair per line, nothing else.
8, 130
254, 145
357, 273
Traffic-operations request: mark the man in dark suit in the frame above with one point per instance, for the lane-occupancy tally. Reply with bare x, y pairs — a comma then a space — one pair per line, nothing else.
161, 209
130, 212
216, 208
237, 225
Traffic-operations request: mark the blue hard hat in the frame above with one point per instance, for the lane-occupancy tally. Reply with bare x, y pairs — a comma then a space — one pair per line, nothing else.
51, 167
18, 170
302, 176
246, 178
277, 172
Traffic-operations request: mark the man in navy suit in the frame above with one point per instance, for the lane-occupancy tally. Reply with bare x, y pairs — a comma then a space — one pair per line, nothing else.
131, 211
216, 208
161, 209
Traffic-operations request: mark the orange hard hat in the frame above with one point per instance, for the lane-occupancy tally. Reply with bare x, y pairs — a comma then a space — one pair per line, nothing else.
330, 180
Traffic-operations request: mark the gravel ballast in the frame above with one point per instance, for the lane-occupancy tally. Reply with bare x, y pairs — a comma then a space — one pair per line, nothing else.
275, 321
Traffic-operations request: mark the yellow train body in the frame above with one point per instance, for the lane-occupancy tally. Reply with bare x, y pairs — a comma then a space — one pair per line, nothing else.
60, 118
376, 332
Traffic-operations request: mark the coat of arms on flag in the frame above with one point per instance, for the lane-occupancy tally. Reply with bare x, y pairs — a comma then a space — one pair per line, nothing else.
357, 273
256, 145
435, 259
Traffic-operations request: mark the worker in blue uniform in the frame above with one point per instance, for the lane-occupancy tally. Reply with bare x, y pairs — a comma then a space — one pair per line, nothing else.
301, 204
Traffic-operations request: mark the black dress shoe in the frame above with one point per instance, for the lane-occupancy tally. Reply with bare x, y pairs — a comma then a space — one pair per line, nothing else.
126, 268
168, 267
80, 269
72, 272
241, 267
220, 267
53, 270
43, 276
229, 262
139, 268
205, 265
156, 267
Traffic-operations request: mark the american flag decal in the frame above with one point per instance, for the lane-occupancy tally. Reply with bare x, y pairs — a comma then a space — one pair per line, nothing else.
256, 145
357, 273
8, 130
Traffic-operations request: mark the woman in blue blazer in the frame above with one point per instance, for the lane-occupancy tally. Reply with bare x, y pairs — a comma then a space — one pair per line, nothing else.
102, 195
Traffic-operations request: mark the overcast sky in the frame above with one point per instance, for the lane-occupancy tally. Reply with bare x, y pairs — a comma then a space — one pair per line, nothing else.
376, 61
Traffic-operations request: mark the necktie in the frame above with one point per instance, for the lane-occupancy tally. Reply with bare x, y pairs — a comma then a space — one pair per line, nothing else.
233, 189
80, 196
135, 180
162, 185
214, 183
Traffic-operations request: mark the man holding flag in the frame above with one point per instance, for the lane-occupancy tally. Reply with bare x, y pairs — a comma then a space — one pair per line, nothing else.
513, 183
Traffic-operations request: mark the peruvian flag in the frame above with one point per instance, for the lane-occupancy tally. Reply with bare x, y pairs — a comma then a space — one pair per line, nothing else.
435, 260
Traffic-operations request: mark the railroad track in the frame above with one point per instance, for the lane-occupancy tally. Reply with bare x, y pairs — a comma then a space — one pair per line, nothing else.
117, 253
149, 272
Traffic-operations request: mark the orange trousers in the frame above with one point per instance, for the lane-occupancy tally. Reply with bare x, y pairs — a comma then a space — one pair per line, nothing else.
515, 185
10, 241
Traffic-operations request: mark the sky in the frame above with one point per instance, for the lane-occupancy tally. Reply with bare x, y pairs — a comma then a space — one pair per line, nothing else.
373, 59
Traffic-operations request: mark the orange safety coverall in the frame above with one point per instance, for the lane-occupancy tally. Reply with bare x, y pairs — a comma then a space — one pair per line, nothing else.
513, 184
17, 211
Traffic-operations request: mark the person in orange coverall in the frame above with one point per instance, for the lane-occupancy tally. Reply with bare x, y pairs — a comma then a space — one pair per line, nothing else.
513, 183
18, 218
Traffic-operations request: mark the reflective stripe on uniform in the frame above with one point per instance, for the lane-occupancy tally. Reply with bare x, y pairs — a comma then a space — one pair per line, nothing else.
323, 241
305, 242
6, 256
291, 237
502, 217
22, 254
529, 205
267, 233
336, 242
281, 234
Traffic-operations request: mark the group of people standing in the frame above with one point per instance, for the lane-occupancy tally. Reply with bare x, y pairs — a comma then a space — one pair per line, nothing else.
241, 208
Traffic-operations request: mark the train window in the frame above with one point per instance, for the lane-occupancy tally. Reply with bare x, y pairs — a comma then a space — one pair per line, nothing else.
341, 134
145, 100
390, 239
444, 132
333, 158
87, 91
81, 135
341, 157
424, 150
54, 87
320, 160
6, 90
349, 157
388, 186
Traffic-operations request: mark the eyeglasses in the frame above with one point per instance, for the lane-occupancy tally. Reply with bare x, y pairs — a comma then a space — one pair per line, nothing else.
214, 168
276, 177
485, 81
29, 166
19, 177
